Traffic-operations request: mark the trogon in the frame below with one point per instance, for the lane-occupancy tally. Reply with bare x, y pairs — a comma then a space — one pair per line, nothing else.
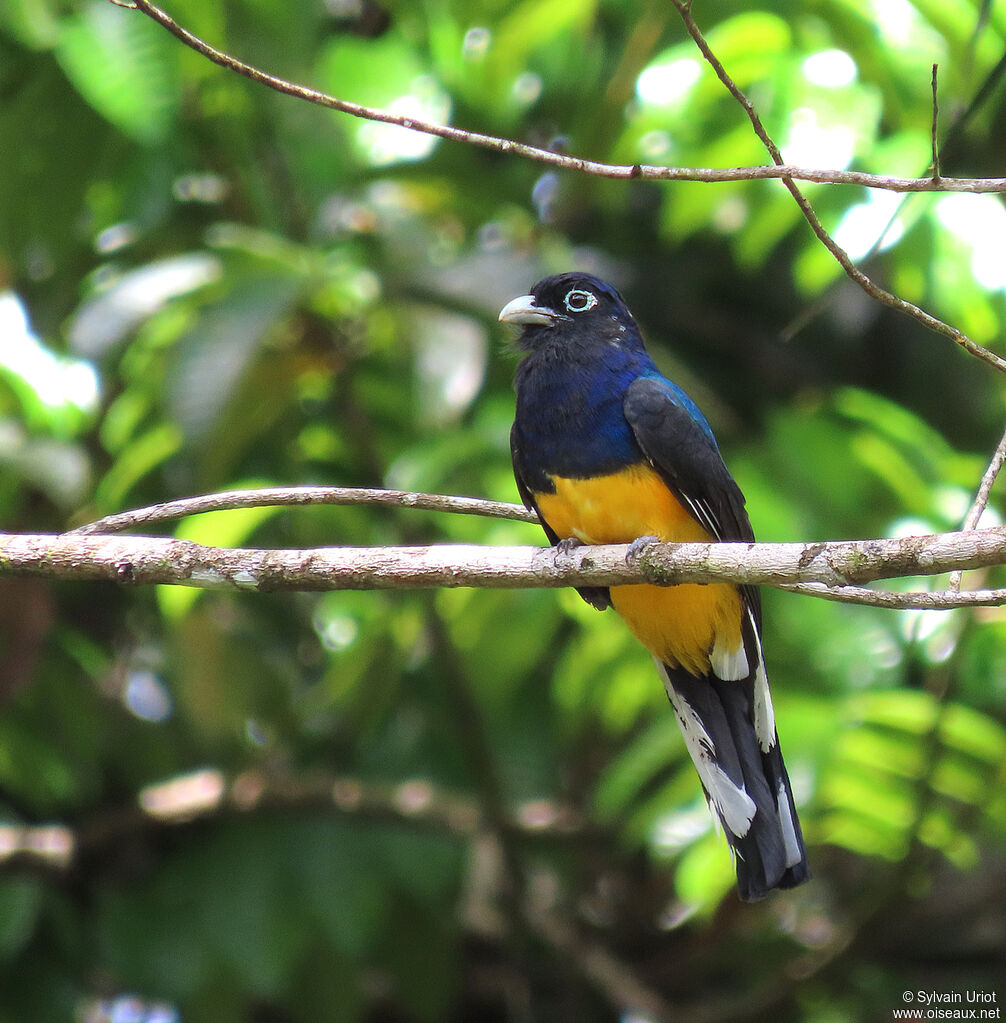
607, 450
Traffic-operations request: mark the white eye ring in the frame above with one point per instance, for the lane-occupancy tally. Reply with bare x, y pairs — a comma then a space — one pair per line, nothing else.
578, 301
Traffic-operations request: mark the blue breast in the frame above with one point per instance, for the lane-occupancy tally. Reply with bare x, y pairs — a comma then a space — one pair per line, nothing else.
569, 419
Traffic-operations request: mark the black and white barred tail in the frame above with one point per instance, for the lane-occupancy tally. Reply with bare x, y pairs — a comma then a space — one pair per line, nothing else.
729, 730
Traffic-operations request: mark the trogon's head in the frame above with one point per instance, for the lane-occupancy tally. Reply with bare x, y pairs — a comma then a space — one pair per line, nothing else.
572, 308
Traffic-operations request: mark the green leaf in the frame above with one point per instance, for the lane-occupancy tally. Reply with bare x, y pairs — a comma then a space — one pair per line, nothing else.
976, 734
31, 768
246, 917
124, 66
140, 456
428, 867
425, 972
213, 358
33, 22
704, 874
647, 755
903, 710
749, 44
20, 905
887, 754
404, 86
889, 802
531, 24
337, 875
862, 836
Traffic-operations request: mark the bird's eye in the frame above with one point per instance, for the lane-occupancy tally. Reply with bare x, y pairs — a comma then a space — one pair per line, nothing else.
578, 301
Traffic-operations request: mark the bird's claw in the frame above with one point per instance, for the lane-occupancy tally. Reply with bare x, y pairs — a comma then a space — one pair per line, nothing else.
639, 544
567, 545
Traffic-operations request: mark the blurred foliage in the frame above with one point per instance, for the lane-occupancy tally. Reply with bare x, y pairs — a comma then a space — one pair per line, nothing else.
205, 285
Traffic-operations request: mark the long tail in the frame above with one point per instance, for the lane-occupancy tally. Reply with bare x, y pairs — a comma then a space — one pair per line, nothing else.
729, 729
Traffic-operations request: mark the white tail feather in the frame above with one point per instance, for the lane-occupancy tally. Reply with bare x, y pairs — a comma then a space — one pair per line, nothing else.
764, 712
733, 805
789, 840
729, 665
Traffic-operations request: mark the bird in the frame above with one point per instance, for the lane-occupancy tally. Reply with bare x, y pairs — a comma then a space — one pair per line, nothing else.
607, 450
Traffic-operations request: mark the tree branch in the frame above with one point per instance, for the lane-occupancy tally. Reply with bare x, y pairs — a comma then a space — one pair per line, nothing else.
933, 323
786, 173
837, 564
210, 794
296, 496
901, 600
985, 487
558, 160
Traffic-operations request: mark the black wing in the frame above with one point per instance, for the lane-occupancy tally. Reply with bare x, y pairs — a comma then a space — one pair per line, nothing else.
690, 463
596, 596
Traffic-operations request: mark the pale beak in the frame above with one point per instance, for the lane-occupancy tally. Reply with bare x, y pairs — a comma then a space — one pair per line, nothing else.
523, 310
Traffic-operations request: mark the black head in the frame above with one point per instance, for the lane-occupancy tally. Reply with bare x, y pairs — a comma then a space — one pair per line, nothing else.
571, 307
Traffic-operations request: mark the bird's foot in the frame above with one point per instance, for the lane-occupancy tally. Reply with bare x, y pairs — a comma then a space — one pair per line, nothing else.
567, 545
638, 545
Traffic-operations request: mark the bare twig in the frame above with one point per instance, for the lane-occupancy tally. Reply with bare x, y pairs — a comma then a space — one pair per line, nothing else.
901, 600
559, 160
150, 560
852, 271
287, 496
956, 130
981, 501
934, 133
985, 487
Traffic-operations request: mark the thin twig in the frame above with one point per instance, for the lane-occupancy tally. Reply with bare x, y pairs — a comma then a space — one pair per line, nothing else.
564, 162
981, 501
985, 487
287, 496
803, 319
901, 600
934, 133
852, 271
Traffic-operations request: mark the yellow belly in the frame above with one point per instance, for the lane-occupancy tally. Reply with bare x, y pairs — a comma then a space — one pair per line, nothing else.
678, 624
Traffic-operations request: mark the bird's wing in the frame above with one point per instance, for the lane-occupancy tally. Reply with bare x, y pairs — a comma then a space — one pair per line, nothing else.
681, 448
